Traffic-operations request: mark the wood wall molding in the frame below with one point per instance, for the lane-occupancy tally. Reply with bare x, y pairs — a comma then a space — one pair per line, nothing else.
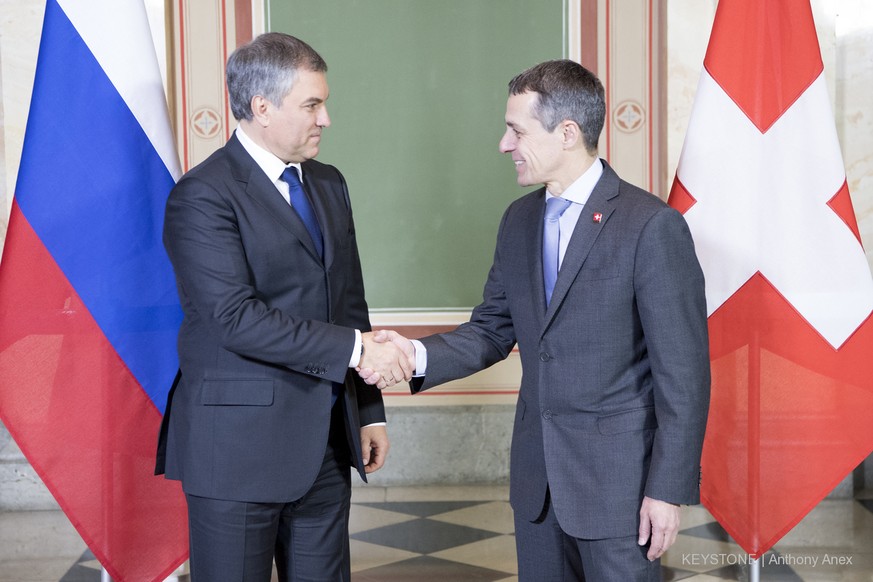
203, 36
630, 60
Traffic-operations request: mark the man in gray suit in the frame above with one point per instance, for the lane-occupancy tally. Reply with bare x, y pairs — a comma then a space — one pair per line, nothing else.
267, 415
605, 298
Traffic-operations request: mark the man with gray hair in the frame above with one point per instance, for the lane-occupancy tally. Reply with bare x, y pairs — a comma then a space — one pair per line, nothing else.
267, 415
597, 282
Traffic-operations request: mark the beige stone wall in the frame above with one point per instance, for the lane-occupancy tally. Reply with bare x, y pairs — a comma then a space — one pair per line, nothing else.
20, 26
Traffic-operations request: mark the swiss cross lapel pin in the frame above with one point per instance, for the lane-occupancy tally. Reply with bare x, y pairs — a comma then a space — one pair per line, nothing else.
597, 217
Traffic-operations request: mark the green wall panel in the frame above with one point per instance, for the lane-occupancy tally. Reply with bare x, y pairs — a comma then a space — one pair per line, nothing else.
417, 98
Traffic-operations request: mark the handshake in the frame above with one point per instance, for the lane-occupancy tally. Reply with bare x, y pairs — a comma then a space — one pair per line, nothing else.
387, 358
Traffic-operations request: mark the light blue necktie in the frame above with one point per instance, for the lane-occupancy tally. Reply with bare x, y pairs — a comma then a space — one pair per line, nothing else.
555, 207
302, 206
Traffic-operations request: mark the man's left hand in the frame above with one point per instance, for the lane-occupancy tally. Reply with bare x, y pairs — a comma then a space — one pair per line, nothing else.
659, 522
374, 447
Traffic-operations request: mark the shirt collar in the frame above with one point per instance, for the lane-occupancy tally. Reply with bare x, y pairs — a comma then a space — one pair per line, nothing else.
269, 163
580, 190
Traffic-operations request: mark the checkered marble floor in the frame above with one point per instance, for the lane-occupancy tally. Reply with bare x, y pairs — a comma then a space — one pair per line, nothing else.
466, 533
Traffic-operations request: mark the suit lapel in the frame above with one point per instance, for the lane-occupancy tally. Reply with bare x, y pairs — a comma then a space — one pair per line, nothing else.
259, 187
319, 197
533, 241
584, 235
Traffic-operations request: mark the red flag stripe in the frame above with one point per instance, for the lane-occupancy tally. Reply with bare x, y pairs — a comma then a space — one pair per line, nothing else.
813, 406
91, 430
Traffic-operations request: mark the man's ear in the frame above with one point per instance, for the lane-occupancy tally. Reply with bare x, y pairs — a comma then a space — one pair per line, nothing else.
261, 110
571, 135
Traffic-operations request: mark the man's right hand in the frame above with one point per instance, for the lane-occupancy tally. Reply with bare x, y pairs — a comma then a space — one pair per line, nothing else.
388, 358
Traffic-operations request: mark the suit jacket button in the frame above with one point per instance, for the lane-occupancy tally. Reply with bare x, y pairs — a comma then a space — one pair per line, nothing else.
547, 414
544, 357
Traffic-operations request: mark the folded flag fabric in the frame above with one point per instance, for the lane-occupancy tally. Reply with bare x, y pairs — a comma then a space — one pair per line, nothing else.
88, 304
762, 185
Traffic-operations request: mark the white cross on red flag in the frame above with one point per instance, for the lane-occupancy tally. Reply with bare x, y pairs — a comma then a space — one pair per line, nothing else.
762, 185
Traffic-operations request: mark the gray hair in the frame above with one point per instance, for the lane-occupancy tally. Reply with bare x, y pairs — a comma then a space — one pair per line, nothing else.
565, 90
267, 66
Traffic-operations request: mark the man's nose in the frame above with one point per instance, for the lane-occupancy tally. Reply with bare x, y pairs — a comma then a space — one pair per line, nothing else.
323, 118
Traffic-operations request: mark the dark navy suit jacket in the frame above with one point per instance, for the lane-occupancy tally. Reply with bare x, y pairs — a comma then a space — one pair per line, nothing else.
268, 329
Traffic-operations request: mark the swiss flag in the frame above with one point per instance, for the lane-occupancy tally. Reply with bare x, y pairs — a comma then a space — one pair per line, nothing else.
762, 185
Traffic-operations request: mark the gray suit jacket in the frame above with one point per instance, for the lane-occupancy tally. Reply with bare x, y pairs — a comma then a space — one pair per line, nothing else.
268, 329
615, 387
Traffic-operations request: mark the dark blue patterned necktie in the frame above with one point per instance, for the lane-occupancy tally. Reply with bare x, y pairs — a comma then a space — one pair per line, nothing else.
300, 203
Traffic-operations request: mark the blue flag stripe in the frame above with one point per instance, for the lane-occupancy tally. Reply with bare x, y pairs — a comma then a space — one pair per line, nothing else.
93, 188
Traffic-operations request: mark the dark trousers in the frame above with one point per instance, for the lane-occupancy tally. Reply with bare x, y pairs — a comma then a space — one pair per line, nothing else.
547, 554
236, 541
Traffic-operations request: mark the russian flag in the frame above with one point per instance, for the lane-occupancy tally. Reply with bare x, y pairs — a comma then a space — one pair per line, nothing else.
88, 304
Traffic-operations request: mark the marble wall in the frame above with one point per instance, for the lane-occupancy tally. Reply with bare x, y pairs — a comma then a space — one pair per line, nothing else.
20, 25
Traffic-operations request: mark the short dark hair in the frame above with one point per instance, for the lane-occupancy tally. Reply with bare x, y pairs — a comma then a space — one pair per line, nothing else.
565, 90
267, 66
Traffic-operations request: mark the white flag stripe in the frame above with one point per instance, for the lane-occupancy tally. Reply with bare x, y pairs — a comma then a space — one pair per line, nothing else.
762, 206
117, 33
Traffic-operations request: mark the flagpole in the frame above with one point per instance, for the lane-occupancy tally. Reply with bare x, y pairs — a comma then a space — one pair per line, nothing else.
755, 570
754, 446
104, 575
810, 290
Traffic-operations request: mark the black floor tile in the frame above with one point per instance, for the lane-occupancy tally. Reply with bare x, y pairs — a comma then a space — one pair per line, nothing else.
731, 573
79, 573
770, 572
428, 569
673, 574
423, 508
423, 536
709, 531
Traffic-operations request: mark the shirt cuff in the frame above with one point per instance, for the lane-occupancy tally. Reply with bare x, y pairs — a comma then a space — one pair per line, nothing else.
420, 358
356, 351
375, 424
